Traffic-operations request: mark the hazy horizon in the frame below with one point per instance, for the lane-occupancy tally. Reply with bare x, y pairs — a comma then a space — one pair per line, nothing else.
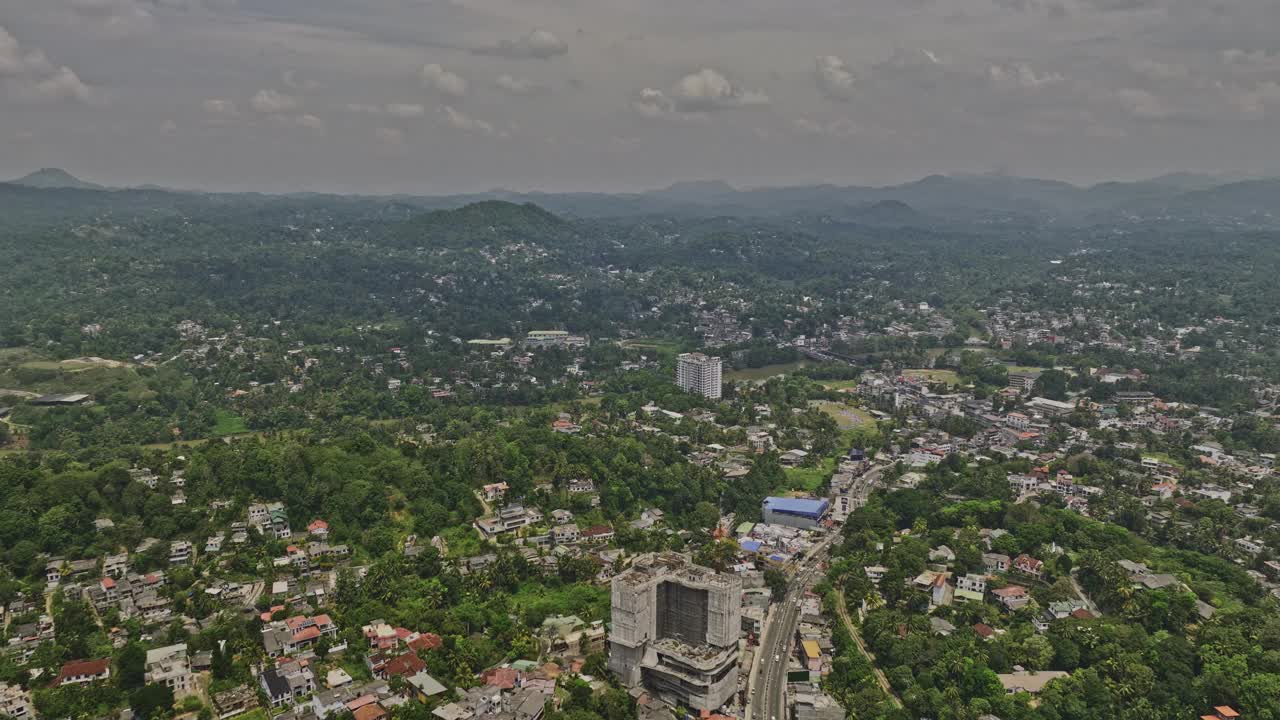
448, 96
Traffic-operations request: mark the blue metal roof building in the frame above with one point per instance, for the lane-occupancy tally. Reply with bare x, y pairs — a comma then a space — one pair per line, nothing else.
794, 512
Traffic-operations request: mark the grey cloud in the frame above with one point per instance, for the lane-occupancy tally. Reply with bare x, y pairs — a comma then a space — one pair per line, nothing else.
303, 121
536, 45
27, 75
1120, 5
518, 86
389, 135
406, 110
834, 78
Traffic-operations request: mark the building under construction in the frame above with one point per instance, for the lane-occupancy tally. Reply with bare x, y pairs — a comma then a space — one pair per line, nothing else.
675, 630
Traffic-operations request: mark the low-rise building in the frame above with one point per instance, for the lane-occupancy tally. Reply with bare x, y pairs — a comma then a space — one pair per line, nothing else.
170, 666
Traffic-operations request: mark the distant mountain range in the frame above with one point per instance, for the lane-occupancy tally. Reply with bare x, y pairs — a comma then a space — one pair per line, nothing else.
981, 199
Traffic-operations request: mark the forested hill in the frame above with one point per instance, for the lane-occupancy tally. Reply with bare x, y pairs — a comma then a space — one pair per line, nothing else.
484, 225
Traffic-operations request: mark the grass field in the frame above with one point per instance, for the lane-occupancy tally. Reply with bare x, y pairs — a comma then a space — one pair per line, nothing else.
1164, 458
945, 376
839, 384
659, 344
761, 374
228, 424
809, 479
1024, 369
846, 416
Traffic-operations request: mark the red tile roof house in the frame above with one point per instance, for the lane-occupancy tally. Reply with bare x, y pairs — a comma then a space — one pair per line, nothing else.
1028, 565
1013, 597
1222, 712
986, 632
372, 711
404, 665
79, 672
599, 533
424, 641
318, 528
501, 677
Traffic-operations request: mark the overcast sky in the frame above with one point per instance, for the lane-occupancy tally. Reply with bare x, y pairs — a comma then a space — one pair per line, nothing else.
440, 96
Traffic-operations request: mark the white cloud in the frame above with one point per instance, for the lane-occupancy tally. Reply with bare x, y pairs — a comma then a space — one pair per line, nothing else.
405, 110
364, 109
272, 102
28, 76
653, 103
536, 45
1020, 76
834, 78
221, 108
436, 78
708, 89
461, 121
517, 86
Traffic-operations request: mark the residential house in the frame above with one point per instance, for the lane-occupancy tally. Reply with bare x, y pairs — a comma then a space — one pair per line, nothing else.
565, 534
233, 702
287, 683
971, 587
1013, 596
296, 634
170, 666
81, 672
15, 702
598, 533
995, 563
1249, 545
494, 492
1028, 565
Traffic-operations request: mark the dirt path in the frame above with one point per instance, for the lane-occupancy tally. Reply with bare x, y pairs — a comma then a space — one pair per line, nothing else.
853, 632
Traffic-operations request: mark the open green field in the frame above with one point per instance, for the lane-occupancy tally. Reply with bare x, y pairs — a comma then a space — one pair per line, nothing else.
587, 601
1025, 369
28, 370
1164, 458
228, 423
761, 374
944, 376
937, 352
659, 344
839, 384
846, 416
809, 479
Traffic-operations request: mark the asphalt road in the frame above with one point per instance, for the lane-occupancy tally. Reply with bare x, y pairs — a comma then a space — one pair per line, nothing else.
768, 697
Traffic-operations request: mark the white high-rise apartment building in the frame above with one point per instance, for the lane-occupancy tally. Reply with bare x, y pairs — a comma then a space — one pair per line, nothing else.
698, 373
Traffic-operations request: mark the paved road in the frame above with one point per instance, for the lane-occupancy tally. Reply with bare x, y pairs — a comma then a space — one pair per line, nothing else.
768, 681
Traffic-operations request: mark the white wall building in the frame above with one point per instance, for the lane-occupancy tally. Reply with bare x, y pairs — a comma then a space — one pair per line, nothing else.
699, 373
